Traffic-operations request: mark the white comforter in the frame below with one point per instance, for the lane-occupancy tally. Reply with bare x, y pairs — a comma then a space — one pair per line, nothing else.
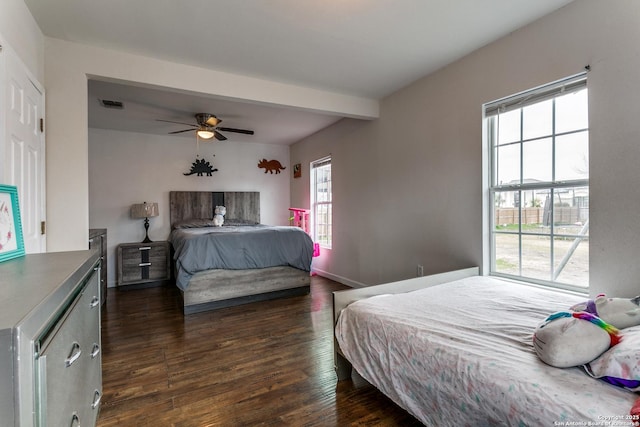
461, 354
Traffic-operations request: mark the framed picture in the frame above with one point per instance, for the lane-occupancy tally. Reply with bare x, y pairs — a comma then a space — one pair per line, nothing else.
297, 170
11, 240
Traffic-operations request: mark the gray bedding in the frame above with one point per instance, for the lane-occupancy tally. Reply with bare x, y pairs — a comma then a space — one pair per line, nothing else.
238, 248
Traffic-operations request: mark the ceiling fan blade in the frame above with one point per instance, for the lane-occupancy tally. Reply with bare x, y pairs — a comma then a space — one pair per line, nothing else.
181, 131
178, 123
244, 131
219, 136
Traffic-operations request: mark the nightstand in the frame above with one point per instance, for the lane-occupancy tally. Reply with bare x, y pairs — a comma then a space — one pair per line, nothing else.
143, 263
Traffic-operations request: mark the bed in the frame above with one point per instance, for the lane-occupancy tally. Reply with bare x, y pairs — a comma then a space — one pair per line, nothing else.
456, 349
242, 261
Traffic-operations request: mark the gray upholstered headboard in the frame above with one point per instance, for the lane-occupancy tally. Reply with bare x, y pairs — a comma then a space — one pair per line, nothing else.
241, 205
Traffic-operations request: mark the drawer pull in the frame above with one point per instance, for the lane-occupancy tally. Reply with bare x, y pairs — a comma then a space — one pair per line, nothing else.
144, 248
144, 264
96, 399
95, 350
74, 354
75, 421
95, 302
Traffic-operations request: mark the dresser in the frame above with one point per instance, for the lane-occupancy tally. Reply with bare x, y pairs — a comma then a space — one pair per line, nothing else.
50, 354
143, 263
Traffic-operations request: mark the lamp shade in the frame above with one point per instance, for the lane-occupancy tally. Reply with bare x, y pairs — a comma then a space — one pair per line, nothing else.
144, 210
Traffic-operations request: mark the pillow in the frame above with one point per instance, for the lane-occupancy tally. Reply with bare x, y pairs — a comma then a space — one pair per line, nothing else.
567, 339
194, 223
620, 365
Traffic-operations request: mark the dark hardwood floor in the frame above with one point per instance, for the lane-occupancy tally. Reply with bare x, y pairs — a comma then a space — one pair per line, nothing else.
265, 363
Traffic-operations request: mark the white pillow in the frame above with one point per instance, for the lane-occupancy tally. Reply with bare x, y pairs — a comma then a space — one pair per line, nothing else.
620, 365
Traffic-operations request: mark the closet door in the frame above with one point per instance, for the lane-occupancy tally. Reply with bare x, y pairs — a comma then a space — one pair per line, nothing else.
23, 144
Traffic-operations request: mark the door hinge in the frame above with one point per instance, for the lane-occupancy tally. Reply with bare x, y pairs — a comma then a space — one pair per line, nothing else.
43, 227
41, 125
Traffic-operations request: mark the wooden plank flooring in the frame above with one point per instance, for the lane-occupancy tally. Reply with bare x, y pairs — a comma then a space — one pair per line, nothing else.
267, 363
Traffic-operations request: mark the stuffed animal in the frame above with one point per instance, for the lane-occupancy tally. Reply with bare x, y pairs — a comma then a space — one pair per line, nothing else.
218, 218
568, 339
619, 312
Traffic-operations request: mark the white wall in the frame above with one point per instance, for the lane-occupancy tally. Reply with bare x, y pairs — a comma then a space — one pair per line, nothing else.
408, 187
127, 168
21, 32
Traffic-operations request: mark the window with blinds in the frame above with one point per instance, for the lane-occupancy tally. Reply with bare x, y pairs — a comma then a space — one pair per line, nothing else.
321, 201
538, 144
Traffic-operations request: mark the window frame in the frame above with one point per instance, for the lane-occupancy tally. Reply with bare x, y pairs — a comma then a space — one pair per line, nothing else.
315, 167
491, 112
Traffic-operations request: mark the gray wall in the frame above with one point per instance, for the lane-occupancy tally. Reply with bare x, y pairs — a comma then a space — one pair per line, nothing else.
408, 187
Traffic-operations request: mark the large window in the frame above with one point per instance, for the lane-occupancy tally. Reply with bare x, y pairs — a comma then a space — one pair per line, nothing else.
321, 201
539, 184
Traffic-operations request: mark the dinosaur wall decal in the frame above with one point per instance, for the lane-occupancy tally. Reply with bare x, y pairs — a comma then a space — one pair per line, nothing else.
201, 167
271, 165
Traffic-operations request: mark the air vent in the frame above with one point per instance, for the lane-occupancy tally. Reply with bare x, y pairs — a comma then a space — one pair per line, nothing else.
106, 103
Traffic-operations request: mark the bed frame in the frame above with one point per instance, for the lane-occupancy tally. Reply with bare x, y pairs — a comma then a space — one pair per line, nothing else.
214, 289
342, 299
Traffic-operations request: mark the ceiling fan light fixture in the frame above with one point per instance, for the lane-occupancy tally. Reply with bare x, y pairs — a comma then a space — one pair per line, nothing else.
206, 119
213, 120
205, 133
206, 127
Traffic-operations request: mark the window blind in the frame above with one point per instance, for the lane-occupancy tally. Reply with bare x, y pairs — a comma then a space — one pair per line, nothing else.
514, 102
322, 162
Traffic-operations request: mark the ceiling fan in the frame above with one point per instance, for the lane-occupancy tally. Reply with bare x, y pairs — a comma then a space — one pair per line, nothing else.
207, 127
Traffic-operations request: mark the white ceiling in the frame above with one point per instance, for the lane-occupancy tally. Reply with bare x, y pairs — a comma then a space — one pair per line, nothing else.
365, 48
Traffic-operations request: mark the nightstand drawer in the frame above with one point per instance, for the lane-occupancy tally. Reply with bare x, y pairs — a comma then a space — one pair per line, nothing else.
143, 262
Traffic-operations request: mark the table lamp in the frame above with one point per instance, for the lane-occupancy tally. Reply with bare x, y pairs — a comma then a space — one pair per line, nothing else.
144, 210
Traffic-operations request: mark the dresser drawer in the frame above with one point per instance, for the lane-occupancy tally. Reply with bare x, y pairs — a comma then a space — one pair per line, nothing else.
69, 363
143, 262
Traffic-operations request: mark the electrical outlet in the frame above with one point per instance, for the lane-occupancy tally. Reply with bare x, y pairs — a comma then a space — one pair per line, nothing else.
420, 270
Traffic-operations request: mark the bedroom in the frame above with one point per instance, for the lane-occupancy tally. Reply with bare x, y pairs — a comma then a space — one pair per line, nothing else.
370, 168
382, 160
430, 132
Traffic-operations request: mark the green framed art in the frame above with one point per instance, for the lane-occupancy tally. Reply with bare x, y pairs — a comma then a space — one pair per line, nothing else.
11, 239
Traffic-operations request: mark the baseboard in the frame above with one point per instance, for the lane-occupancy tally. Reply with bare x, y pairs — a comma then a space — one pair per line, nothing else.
339, 279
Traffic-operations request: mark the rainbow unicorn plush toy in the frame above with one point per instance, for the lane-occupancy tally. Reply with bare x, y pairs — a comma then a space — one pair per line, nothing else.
567, 339
619, 312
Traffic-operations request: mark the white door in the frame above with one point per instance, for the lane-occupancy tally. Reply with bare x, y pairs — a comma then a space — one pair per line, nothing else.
24, 147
